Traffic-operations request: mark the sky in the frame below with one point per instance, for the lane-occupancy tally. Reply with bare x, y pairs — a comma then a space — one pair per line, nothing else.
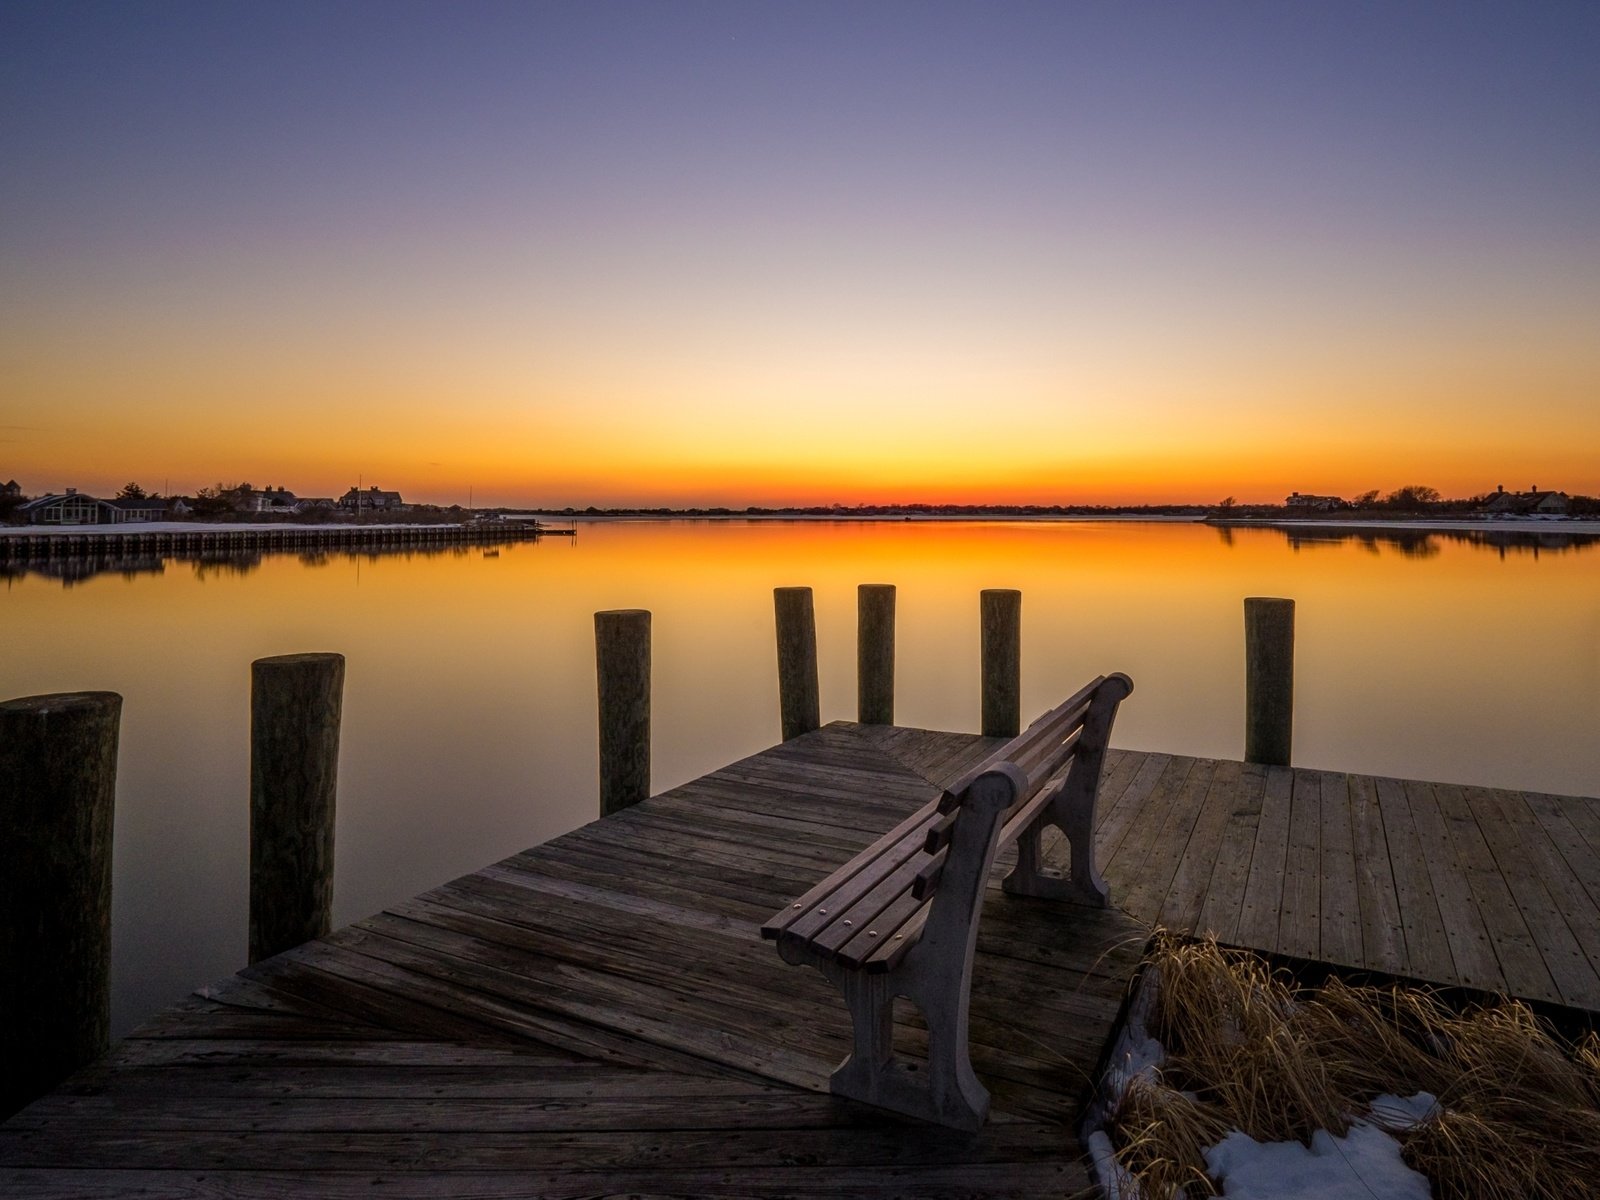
797, 253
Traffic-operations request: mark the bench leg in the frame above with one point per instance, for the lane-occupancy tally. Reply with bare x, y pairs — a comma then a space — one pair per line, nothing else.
947, 1092
871, 1007
1030, 877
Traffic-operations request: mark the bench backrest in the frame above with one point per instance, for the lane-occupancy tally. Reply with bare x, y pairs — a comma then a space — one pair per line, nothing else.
1063, 748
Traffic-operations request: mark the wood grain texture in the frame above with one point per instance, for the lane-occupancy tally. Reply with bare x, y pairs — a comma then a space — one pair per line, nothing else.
58, 779
599, 1016
295, 703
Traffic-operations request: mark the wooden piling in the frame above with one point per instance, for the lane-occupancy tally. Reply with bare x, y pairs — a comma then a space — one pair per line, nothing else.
799, 705
58, 777
295, 703
875, 653
1268, 680
1001, 653
622, 665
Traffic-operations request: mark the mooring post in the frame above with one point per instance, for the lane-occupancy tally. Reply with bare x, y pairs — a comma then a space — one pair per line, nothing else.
875, 653
1268, 680
1001, 652
58, 780
295, 703
799, 705
622, 667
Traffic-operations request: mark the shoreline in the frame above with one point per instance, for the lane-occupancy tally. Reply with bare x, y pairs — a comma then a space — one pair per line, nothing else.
1555, 525
1577, 525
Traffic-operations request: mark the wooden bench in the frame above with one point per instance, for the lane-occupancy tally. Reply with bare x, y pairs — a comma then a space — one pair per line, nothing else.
901, 918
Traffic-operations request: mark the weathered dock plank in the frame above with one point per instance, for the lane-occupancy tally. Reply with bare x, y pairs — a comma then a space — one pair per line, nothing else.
1260, 910
1299, 918
1338, 903
1224, 896
1427, 946
1382, 936
598, 1015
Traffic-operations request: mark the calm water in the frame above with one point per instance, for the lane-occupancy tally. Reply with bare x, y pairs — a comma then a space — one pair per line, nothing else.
469, 702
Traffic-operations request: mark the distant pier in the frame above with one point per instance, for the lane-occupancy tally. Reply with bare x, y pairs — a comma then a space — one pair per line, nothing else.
32, 545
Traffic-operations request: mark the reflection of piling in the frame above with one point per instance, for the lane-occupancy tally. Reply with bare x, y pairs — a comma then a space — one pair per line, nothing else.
1001, 656
1269, 680
295, 702
799, 706
622, 667
875, 653
58, 776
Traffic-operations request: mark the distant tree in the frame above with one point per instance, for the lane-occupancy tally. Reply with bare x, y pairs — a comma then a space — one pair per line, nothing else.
1226, 504
132, 491
1366, 500
1412, 497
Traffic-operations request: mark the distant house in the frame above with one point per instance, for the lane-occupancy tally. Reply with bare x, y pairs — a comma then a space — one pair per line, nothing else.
267, 500
1309, 503
356, 500
70, 507
10, 490
144, 509
314, 504
1531, 503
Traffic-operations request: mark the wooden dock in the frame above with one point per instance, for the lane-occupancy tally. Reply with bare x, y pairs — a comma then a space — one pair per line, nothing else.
45, 543
599, 1016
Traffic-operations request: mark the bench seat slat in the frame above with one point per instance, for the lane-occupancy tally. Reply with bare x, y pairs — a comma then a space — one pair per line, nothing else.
914, 826
887, 956
865, 915
835, 905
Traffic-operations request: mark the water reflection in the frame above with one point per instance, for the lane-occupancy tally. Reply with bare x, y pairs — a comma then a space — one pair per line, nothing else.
1424, 543
71, 569
469, 709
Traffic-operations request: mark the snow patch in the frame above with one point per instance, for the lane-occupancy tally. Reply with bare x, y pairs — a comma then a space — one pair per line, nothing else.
1364, 1163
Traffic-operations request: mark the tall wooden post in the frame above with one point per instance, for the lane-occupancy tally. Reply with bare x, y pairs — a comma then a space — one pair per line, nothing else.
875, 653
295, 704
1001, 653
622, 667
58, 779
799, 704
1268, 680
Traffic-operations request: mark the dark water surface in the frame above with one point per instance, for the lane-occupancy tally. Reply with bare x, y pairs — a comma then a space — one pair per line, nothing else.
469, 728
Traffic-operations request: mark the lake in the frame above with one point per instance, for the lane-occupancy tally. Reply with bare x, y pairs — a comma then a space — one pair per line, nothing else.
469, 708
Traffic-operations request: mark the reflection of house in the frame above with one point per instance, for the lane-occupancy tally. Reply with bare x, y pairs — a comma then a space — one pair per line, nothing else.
372, 498
1313, 503
1531, 503
72, 507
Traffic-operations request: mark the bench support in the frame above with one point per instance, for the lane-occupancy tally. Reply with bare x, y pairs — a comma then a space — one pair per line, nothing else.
935, 975
1072, 811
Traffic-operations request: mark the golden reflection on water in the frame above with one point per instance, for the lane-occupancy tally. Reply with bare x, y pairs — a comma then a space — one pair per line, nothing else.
470, 703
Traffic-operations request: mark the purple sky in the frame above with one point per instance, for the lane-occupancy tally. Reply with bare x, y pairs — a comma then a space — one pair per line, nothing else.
697, 215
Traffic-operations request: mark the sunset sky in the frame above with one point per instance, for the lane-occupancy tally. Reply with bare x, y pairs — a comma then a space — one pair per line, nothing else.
762, 253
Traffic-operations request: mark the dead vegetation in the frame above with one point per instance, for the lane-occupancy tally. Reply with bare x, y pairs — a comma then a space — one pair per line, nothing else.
1518, 1111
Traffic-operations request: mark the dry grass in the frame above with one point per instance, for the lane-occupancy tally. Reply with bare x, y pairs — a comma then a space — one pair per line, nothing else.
1518, 1115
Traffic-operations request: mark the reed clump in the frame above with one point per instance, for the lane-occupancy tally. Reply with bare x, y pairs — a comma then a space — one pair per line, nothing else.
1517, 1112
